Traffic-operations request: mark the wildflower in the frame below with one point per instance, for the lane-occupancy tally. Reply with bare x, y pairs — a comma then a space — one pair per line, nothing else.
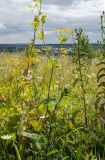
6, 137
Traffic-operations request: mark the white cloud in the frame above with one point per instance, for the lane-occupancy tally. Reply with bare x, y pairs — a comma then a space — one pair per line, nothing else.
79, 9
2, 26
15, 15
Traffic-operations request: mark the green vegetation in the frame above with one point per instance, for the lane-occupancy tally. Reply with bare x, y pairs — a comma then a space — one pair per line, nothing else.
53, 107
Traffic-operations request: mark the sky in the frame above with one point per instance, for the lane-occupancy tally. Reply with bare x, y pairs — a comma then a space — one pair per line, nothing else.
15, 16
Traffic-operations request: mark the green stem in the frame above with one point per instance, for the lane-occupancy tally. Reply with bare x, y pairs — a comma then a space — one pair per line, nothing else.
82, 84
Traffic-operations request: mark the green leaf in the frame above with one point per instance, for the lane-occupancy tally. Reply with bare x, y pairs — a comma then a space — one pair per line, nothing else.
65, 158
52, 152
44, 138
64, 92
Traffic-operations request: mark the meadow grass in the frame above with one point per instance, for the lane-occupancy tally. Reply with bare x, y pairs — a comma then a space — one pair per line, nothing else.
42, 111
53, 107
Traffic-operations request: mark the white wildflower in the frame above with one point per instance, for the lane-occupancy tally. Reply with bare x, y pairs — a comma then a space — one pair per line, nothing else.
6, 137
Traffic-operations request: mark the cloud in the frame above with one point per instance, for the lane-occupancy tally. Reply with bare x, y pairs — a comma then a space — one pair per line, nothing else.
77, 9
2, 26
15, 15
59, 2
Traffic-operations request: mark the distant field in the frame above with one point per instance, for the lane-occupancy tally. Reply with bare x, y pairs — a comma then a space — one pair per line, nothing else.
20, 47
